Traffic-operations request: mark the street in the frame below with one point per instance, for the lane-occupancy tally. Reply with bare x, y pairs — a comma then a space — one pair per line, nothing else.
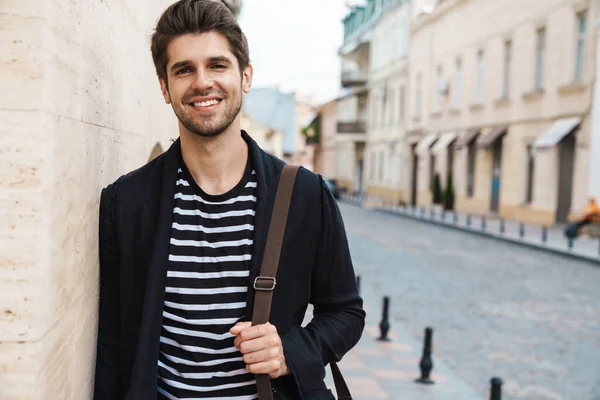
497, 309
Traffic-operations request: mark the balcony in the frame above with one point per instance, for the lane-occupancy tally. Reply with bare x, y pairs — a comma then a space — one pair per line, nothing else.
352, 127
354, 78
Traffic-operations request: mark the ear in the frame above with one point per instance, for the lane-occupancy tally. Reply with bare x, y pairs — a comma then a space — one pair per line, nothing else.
165, 90
247, 78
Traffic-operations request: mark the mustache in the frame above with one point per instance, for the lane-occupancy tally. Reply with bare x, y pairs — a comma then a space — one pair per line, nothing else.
199, 93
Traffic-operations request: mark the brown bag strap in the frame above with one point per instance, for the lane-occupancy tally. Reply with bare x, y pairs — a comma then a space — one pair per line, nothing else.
264, 284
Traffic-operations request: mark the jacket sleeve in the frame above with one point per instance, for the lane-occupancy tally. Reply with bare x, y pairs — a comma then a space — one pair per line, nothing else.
107, 384
339, 318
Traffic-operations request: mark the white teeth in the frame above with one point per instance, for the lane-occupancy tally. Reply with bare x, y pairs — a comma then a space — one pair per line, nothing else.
205, 103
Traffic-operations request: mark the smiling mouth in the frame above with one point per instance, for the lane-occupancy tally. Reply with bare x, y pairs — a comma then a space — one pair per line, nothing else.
206, 104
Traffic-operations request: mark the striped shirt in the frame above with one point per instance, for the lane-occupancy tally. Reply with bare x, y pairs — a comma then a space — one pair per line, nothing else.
205, 295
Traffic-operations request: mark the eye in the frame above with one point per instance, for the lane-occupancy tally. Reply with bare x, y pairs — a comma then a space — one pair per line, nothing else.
182, 71
219, 66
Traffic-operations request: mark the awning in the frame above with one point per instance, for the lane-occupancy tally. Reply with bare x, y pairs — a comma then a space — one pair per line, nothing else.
414, 136
425, 143
490, 137
444, 142
557, 132
466, 138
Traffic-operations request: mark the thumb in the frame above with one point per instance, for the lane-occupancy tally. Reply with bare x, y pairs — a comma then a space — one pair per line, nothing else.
240, 326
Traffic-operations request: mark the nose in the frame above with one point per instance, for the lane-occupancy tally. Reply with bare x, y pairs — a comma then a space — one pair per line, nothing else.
203, 80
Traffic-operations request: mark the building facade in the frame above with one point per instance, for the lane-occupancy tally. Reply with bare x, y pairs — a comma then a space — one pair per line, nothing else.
503, 107
268, 138
352, 104
321, 134
386, 143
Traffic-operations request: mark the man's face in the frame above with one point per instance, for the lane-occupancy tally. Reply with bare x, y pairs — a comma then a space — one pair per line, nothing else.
204, 83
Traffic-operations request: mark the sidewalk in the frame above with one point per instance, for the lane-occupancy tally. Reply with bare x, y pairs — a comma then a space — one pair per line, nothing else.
387, 370
532, 235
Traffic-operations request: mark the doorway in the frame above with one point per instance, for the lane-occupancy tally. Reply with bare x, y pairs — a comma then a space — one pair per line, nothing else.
415, 166
566, 160
359, 176
496, 172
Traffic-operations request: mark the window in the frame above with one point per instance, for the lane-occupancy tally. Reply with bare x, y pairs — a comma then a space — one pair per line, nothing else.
391, 108
539, 58
404, 40
431, 169
579, 57
373, 113
530, 169
373, 166
479, 81
382, 120
381, 161
471, 169
507, 62
418, 97
401, 105
438, 91
457, 83
449, 161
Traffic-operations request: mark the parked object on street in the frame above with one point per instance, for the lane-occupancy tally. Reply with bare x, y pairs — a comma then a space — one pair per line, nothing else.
590, 216
332, 185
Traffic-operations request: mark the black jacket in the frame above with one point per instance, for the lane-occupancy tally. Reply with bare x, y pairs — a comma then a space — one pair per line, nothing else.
315, 267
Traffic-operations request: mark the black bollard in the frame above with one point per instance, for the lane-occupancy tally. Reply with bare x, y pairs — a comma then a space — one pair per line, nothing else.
483, 223
426, 364
384, 325
468, 220
544, 234
570, 243
521, 230
496, 390
502, 227
358, 283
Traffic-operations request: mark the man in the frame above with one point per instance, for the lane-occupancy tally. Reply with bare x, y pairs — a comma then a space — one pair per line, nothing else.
182, 240
591, 215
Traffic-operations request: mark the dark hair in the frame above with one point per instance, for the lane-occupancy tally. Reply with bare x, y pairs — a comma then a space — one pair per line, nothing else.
197, 16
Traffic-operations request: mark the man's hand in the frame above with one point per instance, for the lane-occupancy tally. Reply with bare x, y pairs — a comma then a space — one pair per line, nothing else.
262, 349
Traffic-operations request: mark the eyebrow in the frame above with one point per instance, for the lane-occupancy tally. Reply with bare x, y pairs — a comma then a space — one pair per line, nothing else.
214, 59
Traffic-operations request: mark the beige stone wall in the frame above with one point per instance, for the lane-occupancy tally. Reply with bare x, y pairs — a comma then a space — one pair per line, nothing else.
79, 105
326, 160
442, 38
388, 196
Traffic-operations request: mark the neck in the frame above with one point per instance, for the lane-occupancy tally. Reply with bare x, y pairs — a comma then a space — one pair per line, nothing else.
216, 163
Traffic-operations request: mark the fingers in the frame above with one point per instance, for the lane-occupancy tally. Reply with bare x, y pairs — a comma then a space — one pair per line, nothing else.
254, 332
264, 355
261, 348
273, 368
240, 326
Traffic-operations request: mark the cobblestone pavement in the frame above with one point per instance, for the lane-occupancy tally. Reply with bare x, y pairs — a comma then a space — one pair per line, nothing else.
497, 309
